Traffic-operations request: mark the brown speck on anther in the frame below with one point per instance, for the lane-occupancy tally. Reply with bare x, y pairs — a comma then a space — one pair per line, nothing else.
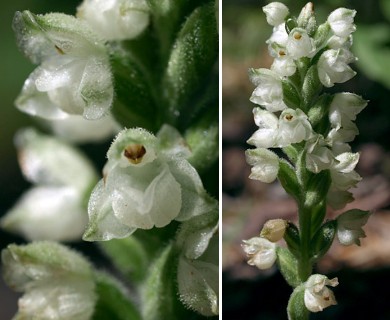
134, 153
282, 53
289, 117
59, 50
297, 36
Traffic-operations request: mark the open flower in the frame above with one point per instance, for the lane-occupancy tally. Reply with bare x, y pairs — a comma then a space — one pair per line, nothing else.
291, 127
341, 22
317, 295
275, 13
54, 208
333, 66
115, 19
260, 251
269, 91
57, 282
74, 75
265, 164
349, 226
146, 184
299, 44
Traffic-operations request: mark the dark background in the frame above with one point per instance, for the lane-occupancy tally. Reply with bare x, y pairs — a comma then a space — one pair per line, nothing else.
363, 271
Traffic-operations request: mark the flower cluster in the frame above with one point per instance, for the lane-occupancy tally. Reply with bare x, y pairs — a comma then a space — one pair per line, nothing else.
307, 57
312, 128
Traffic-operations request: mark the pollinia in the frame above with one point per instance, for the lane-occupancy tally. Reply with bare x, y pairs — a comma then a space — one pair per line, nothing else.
310, 130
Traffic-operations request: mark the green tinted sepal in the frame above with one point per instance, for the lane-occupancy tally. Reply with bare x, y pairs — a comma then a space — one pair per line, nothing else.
288, 178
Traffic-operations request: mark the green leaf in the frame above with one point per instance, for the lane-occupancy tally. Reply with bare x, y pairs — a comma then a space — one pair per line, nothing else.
159, 293
319, 114
288, 178
323, 239
134, 97
204, 144
311, 87
291, 236
128, 255
191, 61
296, 308
291, 96
318, 213
288, 266
317, 188
113, 301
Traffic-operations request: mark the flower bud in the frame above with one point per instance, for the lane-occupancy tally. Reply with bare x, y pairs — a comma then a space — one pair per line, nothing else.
274, 229
333, 67
341, 22
260, 251
349, 226
115, 19
275, 13
317, 295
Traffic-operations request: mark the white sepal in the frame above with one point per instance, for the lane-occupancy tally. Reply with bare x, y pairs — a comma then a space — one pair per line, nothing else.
317, 295
115, 19
260, 251
275, 13
349, 226
341, 22
265, 164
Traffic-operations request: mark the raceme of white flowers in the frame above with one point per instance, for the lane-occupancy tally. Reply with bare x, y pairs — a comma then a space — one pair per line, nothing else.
57, 282
55, 207
282, 122
146, 183
312, 128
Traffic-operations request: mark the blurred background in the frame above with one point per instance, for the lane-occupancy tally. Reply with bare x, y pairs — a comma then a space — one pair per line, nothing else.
249, 293
15, 69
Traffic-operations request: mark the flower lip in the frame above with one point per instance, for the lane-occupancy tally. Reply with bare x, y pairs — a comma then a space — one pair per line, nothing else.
134, 153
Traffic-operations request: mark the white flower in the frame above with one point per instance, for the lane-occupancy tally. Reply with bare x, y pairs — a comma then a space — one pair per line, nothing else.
265, 164
318, 156
299, 44
57, 282
145, 185
342, 171
274, 229
197, 277
344, 108
284, 65
54, 208
349, 226
75, 128
278, 39
333, 66
115, 19
260, 251
341, 22
336, 42
74, 75
294, 127
317, 295
275, 13
291, 127
269, 91
338, 199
